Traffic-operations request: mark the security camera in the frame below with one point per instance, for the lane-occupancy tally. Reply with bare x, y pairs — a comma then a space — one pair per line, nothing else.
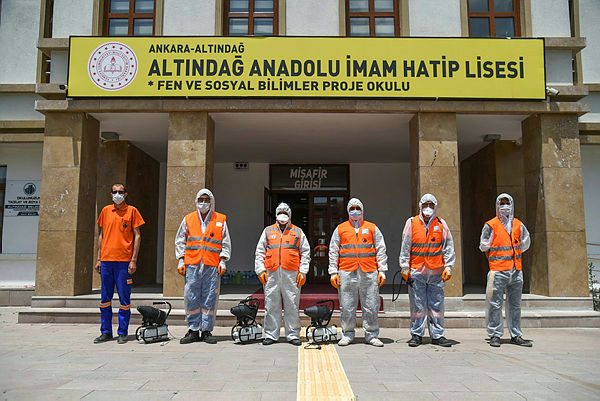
62, 87
552, 91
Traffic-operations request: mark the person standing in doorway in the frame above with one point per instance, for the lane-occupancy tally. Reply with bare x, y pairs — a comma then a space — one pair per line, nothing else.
281, 263
503, 240
357, 266
202, 247
427, 257
118, 248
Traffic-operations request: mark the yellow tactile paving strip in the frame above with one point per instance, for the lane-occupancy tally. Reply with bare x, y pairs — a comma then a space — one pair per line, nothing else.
321, 375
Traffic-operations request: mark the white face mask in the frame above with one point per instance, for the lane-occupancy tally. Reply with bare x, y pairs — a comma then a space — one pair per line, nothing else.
427, 212
118, 198
203, 207
505, 209
355, 214
283, 218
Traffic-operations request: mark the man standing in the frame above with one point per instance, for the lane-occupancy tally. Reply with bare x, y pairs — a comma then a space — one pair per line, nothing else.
202, 246
281, 263
357, 266
503, 239
118, 248
427, 256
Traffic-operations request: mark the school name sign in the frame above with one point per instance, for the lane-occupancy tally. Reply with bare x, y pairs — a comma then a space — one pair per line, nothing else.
306, 67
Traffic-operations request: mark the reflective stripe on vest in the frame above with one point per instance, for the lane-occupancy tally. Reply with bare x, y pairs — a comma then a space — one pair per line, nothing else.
283, 249
357, 248
204, 247
426, 247
505, 250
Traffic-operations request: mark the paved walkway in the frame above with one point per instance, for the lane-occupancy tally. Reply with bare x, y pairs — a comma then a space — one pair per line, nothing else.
59, 361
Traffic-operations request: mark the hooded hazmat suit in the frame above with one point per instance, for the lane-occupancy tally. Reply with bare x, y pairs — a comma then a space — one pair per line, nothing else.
197, 252
358, 261
504, 239
284, 254
427, 251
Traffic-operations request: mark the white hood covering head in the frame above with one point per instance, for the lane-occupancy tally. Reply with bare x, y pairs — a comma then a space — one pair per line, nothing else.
205, 191
506, 220
428, 198
355, 202
283, 207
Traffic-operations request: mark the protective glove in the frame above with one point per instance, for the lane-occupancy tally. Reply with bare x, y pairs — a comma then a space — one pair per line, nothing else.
300, 279
222, 268
381, 279
181, 268
263, 277
335, 281
447, 274
405, 272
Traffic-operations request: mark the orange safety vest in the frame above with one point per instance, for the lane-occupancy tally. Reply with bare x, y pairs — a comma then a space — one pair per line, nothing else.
357, 249
204, 247
505, 249
283, 250
426, 248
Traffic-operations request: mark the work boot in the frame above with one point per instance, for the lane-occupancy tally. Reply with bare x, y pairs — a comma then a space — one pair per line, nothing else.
518, 340
191, 337
295, 342
122, 339
495, 341
208, 338
415, 341
104, 337
442, 342
268, 341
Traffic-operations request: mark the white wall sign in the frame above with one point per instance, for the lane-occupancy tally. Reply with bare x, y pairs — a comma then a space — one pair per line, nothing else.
22, 198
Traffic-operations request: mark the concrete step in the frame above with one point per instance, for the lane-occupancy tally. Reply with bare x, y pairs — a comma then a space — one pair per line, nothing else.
453, 319
471, 302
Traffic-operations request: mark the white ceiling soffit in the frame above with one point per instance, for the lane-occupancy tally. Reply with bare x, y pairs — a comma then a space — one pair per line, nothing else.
307, 137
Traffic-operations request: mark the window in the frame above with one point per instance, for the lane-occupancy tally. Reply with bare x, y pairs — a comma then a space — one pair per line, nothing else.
372, 18
251, 17
129, 17
494, 18
2, 192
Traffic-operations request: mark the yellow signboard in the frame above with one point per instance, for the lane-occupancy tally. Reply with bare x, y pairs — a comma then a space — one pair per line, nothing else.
306, 67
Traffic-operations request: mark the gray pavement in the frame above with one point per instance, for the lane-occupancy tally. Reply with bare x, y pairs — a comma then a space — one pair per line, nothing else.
60, 362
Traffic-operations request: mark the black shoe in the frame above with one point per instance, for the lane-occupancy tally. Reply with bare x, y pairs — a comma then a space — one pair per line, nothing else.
104, 337
208, 338
295, 342
519, 341
268, 341
495, 342
192, 336
442, 342
122, 339
415, 341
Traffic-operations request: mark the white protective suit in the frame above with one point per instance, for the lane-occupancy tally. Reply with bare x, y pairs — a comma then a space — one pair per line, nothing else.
282, 284
427, 291
355, 284
498, 282
202, 284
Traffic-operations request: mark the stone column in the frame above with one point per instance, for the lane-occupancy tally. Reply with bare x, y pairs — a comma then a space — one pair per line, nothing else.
434, 169
189, 168
555, 215
65, 256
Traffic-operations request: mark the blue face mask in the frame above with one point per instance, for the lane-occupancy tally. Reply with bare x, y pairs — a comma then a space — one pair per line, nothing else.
355, 214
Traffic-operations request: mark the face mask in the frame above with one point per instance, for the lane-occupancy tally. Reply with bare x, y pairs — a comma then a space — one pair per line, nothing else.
283, 218
355, 214
203, 207
427, 212
505, 209
118, 198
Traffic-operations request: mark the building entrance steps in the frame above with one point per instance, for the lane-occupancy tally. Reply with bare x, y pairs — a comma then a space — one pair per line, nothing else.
461, 312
